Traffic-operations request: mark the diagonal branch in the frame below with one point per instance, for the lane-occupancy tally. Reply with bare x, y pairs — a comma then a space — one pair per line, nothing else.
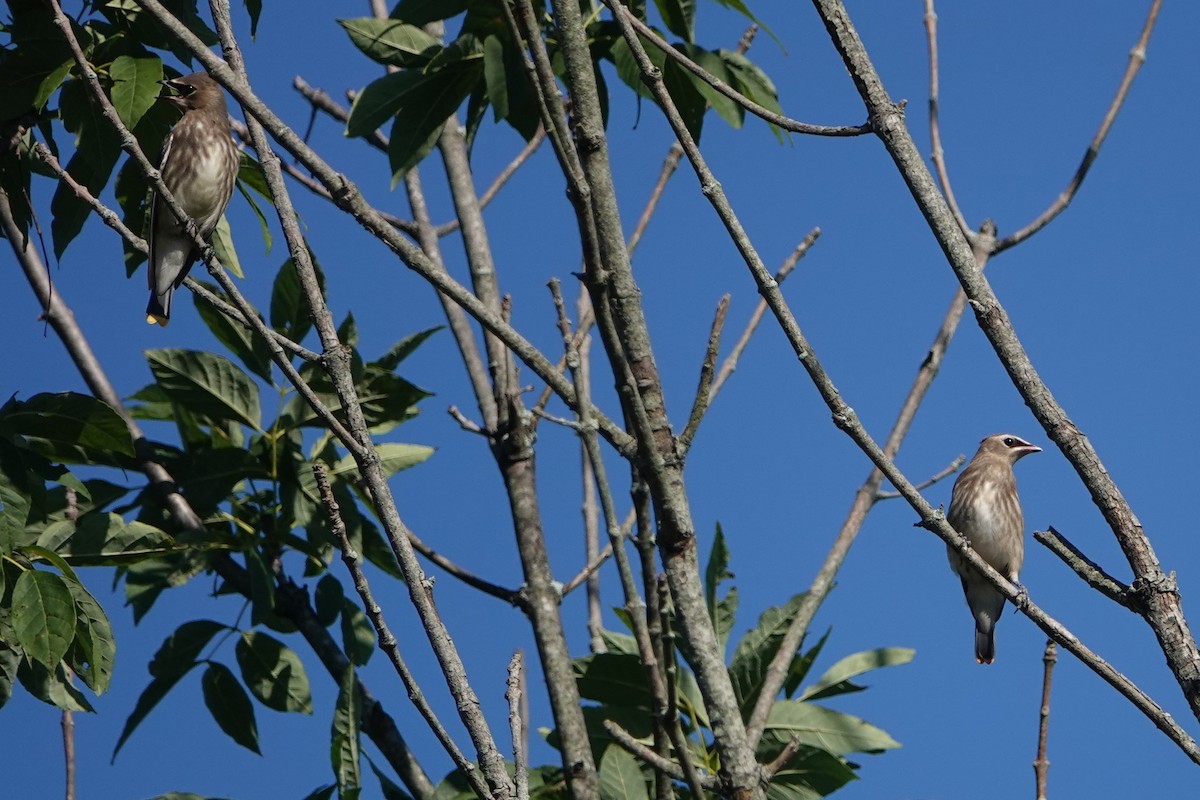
1158, 591
1137, 57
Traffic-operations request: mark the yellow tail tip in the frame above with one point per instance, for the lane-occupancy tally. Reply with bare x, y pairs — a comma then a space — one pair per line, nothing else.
154, 319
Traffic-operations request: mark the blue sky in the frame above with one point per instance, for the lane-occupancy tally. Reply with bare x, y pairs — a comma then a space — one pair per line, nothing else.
1103, 299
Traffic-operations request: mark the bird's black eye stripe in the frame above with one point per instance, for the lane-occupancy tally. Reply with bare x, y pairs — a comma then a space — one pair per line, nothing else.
1010, 441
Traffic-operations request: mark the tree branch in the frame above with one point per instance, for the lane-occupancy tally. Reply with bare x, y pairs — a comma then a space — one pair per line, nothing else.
1164, 611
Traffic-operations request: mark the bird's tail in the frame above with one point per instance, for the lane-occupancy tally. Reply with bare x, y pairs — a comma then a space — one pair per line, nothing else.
985, 645
158, 312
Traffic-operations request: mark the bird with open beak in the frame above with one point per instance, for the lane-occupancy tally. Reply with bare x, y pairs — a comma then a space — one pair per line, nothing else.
199, 165
984, 508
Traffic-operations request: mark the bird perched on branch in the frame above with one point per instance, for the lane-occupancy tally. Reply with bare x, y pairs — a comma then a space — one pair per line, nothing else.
199, 164
984, 508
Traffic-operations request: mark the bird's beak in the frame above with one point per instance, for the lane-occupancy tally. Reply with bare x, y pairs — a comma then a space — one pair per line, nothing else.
170, 90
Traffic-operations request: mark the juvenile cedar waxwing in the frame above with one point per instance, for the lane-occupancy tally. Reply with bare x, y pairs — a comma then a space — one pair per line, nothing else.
984, 508
199, 164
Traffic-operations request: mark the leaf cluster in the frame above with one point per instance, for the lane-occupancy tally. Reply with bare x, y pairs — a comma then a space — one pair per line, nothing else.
485, 66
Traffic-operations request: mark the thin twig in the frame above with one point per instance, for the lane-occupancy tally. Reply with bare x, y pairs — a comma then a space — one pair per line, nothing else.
510, 596
516, 724
1137, 57
498, 183
704, 390
935, 128
1087, 569
386, 640
467, 424
944, 473
68, 736
626, 740
589, 570
780, 761
731, 361
670, 714
1041, 764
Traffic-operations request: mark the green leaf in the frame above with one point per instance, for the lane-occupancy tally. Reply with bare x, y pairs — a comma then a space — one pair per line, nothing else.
207, 384
52, 686
94, 641
679, 16
180, 651
681, 85
422, 12
390, 790
393, 457
290, 314
421, 104
135, 86
43, 616
754, 652
251, 177
176, 656
323, 793
67, 421
14, 511
273, 673
248, 347
96, 153
254, 9
717, 571
229, 706
836, 679
829, 730
751, 81
343, 747
615, 678
802, 663
808, 775
358, 637
155, 691
105, 539
390, 42
621, 777
712, 62
618, 642
10, 660
222, 242
328, 599
262, 588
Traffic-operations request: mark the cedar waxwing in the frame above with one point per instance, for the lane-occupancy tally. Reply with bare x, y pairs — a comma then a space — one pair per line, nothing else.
984, 508
199, 165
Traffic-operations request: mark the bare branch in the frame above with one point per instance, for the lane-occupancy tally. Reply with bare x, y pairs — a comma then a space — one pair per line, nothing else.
935, 127
515, 695
1137, 57
1164, 611
704, 390
1087, 569
731, 361
1041, 764
386, 640
945, 472
625, 739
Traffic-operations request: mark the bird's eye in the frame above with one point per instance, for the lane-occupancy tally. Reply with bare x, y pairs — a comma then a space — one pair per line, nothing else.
1010, 441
